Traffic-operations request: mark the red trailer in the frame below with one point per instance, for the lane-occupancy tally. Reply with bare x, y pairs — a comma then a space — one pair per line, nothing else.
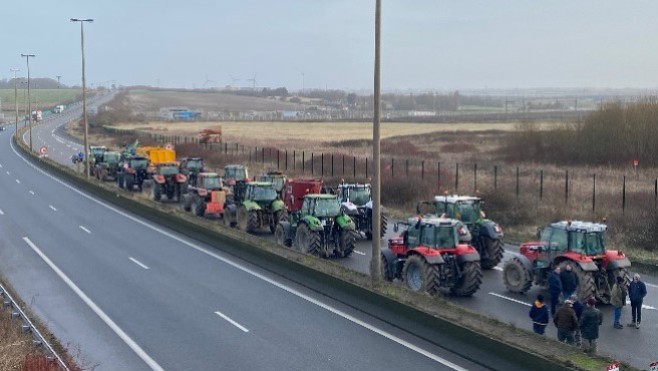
296, 189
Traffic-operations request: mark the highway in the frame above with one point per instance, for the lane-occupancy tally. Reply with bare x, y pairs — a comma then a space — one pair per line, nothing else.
129, 249
131, 295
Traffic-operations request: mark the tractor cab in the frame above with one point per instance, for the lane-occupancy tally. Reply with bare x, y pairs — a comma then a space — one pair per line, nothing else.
261, 192
97, 153
321, 206
209, 181
137, 163
358, 194
433, 233
111, 158
236, 173
277, 178
465, 208
191, 167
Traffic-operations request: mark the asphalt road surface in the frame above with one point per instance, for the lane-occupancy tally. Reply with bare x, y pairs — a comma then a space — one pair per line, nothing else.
638, 347
132, 295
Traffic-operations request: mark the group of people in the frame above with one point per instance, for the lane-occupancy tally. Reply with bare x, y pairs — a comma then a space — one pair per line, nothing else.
577, 324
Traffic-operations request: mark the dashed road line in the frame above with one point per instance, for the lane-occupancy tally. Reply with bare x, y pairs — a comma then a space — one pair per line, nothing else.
510, 299
18, 181
232, 321
359, 252
138, 263
85, 229
8, 173
498, 268
32, 193
2, 212
52, 207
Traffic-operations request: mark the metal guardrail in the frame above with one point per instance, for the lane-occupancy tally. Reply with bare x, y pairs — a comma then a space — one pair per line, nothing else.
37, 339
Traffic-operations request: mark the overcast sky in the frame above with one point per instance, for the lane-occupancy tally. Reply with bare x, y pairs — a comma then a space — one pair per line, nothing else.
426, 44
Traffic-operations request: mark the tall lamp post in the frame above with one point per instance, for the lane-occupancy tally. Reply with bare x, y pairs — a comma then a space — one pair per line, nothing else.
14, 70
84, 89
375, 263
29, 107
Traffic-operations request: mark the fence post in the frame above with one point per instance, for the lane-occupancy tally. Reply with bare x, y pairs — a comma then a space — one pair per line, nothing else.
249, 156
422, 169
438, 175
263, 155
566, 187
594, 192
495, 176
541, 184
321, 164
475, 178
366, 167
655, 193
406, 168
517, 182
343, 165
623, 197
237, 148
354, 167
456, 178
312, 163
303, 162
294, 159
225, 148
278, 159
286, 160
332, 164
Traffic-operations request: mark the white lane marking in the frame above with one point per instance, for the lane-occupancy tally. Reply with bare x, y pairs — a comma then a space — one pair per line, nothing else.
644, 306
498, 268
99, 312
359, 252
651, 285
85, 229
18, 181
8, 173
510, 299
232, 321
2, 212
138, 263
0, 166
32, 193
52, 207
59, 140
281, 286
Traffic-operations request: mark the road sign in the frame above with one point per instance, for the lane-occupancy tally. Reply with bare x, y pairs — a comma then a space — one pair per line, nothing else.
636, 162
613, 367
43, 150
169, 146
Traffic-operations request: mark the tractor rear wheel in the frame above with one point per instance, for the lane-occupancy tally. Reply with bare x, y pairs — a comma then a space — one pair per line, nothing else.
280, 236
252, 222
187, 203
470, 280
199, 206
516, 277
421, 275
128, 182
243, 217
157, 192
494, 254
605, 293
387, 274
586, 287
346, 243
384, 225
226, 218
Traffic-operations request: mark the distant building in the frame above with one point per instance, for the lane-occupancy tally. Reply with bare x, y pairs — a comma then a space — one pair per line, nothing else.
179, 114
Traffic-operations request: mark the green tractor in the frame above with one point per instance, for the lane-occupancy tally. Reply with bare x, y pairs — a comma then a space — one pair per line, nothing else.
320, 227
277, 178
261, 208
96, 153
487, 235
108, 166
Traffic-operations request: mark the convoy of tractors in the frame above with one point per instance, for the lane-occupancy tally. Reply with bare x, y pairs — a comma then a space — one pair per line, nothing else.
444, 248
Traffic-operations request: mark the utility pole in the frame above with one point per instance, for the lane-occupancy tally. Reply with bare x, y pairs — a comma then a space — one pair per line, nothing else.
58, 78
14, 70
84, 90
375, 263
29, 107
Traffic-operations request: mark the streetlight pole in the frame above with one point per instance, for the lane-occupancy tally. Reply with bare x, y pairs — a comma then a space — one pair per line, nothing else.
29, 107
84, 89
375, 263
14, 70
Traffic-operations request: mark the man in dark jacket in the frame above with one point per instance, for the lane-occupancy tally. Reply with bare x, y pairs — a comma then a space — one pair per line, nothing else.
578, 308
566, 322
554, 288
569, 281
589, 322
539, 315
637, 290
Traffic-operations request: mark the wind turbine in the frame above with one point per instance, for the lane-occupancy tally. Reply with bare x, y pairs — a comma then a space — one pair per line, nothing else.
207, 81
233, 81
253, 81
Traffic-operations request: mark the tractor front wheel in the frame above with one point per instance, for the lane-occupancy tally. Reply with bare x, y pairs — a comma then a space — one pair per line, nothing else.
420, 275
516, 277
387, 273
494, 252
470, 280
187, 203
199, 206
347, 240
252, 222
128, 182
243, 217
157, 192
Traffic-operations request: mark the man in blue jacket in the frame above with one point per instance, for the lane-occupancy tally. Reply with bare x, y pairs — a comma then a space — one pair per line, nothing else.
539, 315
554, 288
637, 290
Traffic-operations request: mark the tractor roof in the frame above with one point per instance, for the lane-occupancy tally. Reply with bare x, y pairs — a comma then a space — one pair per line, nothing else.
320, 196
580, 226
192, 159
435, 221
173, 163
208, 175
353, 185
455, 198
97, 147
260, 184
234, 167
274, 173
136, 158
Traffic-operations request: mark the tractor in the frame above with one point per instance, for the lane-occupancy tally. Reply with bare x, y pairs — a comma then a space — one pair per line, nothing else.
132, 172
431, 254
576, 243
261, 208
319, 228
168, 181
356, 200
277, 178
96, 153
108, 166
295, 190
191, 167
236, 178
206, 196
487, 234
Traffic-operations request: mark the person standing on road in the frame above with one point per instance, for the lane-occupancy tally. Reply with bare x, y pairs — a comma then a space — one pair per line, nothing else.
569, 281
589, 323
566, 322
539, 315
618, 300
578, 308
637, 290
554, 288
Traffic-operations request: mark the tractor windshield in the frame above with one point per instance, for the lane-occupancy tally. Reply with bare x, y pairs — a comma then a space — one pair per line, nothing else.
467, 211
439, 237
139, 163
277, 182
359, 196
264, 194
111, 157
210, 182
237, 173
588, 243
194, 164
168, 170
327, 208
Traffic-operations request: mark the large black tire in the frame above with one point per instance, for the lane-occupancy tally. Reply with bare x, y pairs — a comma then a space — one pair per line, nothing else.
470, 280
421, 276
347, 240
495, 251
242, 219
226, 218
198, 206
306, 240
276, 218
586, 286
605, 288
187, 203
387, 273
384, 225
252, 221
516, 277
157, 192
280, 236
129, 183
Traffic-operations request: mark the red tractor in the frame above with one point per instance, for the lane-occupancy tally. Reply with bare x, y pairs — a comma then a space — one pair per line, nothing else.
432, 254
579, 244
